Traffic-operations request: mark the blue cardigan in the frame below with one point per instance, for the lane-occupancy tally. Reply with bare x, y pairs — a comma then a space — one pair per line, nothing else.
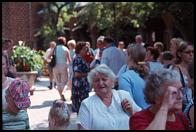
131, 81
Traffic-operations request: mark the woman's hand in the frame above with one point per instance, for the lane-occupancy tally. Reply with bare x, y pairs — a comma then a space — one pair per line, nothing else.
169, 97
126, 106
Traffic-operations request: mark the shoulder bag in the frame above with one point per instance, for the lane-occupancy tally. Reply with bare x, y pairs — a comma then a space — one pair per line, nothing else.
53, 60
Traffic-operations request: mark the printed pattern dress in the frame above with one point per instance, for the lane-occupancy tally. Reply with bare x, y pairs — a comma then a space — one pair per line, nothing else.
80, 85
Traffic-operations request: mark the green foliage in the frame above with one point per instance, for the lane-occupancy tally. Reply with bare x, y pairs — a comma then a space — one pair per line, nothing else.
27, 59
106, 15
55, 16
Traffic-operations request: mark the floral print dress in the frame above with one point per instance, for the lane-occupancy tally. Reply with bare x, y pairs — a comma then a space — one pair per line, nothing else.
80, 85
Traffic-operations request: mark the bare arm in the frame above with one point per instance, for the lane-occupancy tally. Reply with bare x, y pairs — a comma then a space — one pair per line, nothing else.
47, 56
68, 57
159, 121
79, 74
191, 114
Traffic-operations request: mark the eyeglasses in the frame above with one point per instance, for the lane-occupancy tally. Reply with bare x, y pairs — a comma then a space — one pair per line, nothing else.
188, 52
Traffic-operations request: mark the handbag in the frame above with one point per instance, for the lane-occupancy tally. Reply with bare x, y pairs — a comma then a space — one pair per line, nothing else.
53, 60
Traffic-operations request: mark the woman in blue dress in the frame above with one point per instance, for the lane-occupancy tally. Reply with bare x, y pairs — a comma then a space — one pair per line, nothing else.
80, 85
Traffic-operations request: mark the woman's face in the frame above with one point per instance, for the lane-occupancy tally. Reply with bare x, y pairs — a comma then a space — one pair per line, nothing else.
187, 54
178, 97
102, 84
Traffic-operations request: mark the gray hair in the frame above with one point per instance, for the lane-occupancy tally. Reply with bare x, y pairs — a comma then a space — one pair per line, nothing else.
60, 113
101, 38
155, 81
102, 68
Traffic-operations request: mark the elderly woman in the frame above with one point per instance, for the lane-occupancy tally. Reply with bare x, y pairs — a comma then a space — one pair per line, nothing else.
15, 101
59, 116
71, 45
107, 108
80, 85
163, 92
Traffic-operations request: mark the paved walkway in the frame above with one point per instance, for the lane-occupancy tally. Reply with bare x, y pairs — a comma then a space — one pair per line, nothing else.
41, 102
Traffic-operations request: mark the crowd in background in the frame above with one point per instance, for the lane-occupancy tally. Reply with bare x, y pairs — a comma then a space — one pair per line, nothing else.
137, 86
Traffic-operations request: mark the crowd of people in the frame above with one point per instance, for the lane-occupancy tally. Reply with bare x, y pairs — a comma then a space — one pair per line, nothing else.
137, 86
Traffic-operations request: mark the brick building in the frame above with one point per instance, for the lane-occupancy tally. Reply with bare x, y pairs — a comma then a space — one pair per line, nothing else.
20, 21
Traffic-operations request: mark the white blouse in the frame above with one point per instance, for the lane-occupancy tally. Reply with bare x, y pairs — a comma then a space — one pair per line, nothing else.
95, 115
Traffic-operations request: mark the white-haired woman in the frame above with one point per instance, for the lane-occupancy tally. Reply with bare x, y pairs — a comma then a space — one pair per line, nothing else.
163, 92
72, 47
107, 108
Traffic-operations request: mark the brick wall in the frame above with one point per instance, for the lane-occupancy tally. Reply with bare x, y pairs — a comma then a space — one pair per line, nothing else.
20, 21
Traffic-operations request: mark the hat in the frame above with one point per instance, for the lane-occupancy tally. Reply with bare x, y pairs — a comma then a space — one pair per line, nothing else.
19, 90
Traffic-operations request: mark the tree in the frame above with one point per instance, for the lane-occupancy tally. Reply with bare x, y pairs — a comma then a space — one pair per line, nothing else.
55, 15
108, 18
182, 13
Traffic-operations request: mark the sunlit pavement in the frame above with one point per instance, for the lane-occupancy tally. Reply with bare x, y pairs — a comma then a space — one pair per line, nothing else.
41, 102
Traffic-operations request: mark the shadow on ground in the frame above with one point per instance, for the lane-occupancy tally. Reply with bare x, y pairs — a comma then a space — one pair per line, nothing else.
44, 104
47, 104
40, 126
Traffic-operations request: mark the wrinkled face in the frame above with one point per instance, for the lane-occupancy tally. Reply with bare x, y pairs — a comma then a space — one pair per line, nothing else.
177, 94
187, 54
102, 84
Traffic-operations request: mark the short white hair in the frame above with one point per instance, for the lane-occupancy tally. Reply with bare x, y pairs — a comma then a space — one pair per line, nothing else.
102, 68
71, 42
